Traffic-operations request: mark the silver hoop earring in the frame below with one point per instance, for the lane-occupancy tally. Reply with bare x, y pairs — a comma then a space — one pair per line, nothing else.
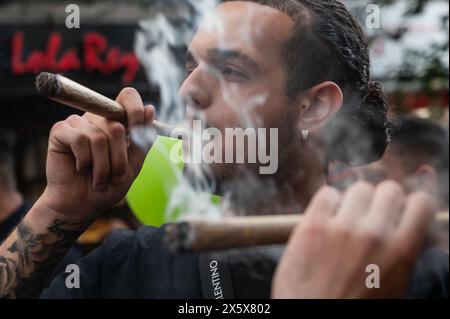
305, 135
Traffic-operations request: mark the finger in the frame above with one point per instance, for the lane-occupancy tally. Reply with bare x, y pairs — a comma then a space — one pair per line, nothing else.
147, 132
130, 99
75, 141
387, 206
149, 114
137, 153
324, 204
99, 145
118, 147
355, 203
419, 210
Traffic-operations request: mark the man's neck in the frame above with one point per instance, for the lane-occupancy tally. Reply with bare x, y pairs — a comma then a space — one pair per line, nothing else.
10, 201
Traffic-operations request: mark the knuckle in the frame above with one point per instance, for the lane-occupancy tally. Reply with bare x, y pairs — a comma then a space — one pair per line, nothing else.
326, 193
57, 127
73, 118
314, 228
363, 186
117, 130
391, 187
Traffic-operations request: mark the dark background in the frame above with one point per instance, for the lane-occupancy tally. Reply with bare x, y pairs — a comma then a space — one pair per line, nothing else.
31, 115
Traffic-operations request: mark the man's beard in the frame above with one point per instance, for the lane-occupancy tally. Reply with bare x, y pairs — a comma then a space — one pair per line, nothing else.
244, 190
242, 185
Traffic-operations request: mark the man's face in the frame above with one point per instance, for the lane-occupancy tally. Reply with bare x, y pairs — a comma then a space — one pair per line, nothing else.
236, 73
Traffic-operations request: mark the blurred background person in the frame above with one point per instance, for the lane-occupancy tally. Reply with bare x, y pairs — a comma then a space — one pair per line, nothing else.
12, 204
417, 158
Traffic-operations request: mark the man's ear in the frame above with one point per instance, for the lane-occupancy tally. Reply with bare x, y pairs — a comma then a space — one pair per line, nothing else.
425, 178
319, 105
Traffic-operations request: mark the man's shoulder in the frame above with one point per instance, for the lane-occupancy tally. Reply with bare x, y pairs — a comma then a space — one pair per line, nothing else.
430, 278
133, 264
144, 247
123, 241
142, 260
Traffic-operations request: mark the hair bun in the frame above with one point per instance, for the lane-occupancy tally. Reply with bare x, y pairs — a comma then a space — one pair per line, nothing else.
375, 95
361, 136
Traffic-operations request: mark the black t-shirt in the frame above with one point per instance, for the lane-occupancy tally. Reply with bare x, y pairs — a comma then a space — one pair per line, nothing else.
138, 265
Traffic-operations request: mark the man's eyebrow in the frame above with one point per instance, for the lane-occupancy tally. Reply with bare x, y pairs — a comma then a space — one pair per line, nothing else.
223, 54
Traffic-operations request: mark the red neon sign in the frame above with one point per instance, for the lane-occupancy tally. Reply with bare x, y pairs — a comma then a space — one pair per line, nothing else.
97, 57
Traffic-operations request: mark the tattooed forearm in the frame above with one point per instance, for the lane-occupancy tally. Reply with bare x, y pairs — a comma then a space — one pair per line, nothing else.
29, 259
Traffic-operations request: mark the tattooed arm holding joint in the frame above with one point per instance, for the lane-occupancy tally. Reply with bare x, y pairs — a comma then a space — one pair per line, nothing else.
90, 167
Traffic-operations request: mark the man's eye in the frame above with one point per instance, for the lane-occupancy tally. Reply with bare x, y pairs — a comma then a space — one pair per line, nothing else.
231, 71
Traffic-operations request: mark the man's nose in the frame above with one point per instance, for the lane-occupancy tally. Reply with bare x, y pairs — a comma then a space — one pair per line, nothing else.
196, 90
